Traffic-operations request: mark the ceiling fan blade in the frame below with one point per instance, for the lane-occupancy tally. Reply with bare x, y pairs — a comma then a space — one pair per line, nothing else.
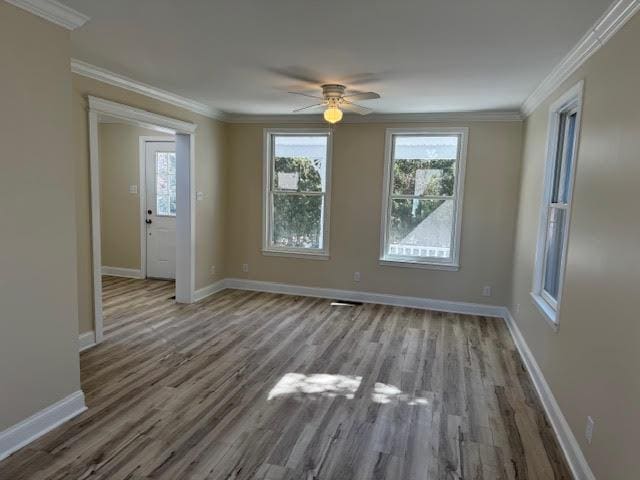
301, 74
307, 95
353, 107
362, 96
317, 105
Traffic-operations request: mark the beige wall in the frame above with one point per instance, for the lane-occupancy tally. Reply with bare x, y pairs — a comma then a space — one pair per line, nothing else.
119, 145
358, 155
210, 173
592, 362
38, 294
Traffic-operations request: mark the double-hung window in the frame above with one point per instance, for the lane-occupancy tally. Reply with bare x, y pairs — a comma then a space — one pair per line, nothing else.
297, 185
422, 198
564, 127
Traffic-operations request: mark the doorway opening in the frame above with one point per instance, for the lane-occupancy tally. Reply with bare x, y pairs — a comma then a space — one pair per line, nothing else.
142, 167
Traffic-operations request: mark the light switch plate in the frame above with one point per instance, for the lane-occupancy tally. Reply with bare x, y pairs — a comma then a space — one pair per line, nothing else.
133, 189
199, 195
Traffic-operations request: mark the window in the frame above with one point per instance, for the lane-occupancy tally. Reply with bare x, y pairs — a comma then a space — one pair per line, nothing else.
422, 199
564, 126
297, 177
166, 184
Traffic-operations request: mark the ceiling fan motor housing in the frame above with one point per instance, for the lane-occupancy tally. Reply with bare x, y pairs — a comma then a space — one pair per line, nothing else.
333, 91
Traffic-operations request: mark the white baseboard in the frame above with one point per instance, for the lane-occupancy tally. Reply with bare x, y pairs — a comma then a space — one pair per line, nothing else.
368, 297
568, 443
122, 272
86, 340
208, 290
25, 432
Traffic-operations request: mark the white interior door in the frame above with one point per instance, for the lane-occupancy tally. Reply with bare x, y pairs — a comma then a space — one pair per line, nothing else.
161, 209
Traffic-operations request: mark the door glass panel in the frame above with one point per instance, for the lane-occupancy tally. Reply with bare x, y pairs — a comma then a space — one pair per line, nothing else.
166, 184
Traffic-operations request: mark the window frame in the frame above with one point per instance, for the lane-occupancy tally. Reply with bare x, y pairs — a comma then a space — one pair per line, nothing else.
433, 263
267, 193
570, 101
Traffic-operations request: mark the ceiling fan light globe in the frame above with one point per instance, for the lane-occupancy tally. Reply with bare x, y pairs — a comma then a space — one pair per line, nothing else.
333, 114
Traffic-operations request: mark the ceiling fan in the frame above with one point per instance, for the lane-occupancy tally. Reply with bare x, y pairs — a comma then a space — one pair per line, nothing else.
334, 101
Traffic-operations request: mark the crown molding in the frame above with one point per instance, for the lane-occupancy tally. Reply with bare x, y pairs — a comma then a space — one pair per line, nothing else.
139, 116
486, 116
53, 11
97, 73
613, 19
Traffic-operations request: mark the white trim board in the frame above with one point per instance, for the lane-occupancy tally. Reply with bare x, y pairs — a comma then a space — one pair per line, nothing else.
29, 429
367, 297
86, 340
605, 27
568, 443
103, 75
122, 272
209, 290
53, 11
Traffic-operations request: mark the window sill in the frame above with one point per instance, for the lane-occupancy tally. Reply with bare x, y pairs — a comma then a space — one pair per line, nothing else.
548, 313
305, 255
425, 265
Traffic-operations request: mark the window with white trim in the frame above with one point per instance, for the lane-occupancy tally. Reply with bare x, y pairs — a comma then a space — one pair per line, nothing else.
555, 212
297, 178
422, 198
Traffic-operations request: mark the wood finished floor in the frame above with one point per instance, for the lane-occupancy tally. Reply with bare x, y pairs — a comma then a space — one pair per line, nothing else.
183, 392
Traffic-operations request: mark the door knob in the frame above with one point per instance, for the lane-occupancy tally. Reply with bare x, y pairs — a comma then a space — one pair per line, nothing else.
148, 221
149, 212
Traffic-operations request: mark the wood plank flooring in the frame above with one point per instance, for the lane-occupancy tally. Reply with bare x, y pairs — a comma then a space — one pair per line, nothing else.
247, 385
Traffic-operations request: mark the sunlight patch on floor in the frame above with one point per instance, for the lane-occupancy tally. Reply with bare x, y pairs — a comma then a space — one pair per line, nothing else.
383, 393
316, 385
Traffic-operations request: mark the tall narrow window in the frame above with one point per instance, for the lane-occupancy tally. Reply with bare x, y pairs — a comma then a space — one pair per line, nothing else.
422, 201
564, 121
297, 177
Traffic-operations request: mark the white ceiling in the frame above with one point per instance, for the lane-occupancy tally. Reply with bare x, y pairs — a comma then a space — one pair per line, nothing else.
422, 56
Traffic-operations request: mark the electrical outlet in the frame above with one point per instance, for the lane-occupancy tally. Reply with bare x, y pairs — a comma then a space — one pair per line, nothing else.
199, 195
212, 270
588, 431
245, 267
486, 291
517, 308
133, 189
356, 276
